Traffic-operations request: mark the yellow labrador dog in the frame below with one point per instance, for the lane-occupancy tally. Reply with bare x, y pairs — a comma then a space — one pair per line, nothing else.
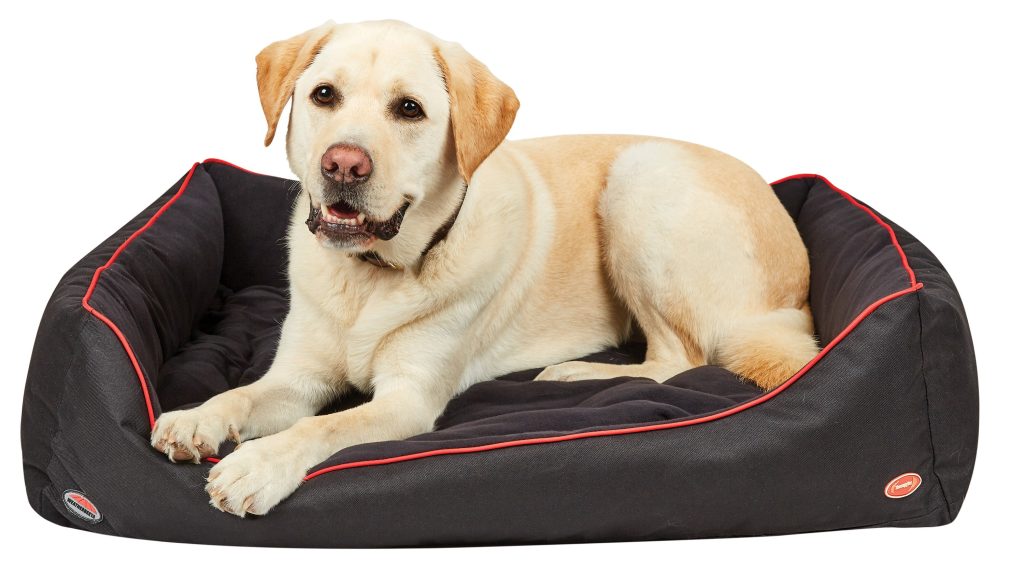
428, 254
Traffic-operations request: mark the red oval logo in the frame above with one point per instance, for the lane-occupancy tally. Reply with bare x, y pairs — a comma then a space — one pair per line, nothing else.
80, 506
903, 485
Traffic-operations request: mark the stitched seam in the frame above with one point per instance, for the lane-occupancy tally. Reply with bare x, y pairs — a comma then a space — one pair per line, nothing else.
890, 522
58, 431
927, 404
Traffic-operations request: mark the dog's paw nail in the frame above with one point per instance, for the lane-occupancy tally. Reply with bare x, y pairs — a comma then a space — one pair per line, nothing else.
181, 454
205, 450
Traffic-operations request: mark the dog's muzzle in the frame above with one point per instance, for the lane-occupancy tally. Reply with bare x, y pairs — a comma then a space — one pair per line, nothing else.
360, 225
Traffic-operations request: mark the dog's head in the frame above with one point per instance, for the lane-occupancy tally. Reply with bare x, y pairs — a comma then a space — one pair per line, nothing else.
387, 125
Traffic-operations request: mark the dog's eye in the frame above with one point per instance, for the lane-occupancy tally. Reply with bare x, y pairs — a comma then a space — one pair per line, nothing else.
408, 108
323, 94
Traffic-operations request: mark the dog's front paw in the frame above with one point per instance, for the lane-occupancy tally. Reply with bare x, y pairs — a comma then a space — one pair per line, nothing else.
191, 435
257, 476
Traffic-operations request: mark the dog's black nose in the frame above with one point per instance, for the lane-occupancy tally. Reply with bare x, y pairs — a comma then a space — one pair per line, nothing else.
346, 164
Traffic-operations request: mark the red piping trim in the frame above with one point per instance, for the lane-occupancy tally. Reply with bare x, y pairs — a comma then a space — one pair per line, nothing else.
866, 209
914, 286
103, 318
633, 429
96, 276
235, 166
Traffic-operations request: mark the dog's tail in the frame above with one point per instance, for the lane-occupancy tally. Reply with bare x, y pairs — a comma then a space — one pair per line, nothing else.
769, 348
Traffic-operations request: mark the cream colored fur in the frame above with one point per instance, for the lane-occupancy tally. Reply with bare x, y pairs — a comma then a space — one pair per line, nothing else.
561, 245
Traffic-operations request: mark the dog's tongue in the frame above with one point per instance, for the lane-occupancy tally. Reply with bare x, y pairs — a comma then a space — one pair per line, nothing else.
342, 210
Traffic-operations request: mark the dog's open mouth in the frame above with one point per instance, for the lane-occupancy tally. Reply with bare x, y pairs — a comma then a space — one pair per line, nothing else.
344, 223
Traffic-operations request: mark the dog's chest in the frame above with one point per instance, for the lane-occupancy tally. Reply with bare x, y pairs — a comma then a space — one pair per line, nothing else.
365, 316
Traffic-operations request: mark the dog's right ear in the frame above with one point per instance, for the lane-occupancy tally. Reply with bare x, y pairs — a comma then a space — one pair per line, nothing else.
278, 67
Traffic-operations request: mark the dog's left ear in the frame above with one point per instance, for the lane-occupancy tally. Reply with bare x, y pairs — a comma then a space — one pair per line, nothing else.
482, 107
278, 67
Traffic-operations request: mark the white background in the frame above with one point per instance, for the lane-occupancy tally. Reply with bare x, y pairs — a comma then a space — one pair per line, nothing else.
914, 108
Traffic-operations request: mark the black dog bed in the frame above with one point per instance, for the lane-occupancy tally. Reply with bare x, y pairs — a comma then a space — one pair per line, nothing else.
186, 300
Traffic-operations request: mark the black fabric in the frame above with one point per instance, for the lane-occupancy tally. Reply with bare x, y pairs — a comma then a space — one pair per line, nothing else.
232, 345
853, 261
200, 295
950, 373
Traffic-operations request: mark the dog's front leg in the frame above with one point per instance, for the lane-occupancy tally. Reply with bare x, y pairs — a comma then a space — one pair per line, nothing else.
299, 383
261, 408
259, 474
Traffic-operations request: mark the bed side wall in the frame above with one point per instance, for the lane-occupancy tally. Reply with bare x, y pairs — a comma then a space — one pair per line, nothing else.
256, 211
950, 372
83, 401
816, 457
58, 355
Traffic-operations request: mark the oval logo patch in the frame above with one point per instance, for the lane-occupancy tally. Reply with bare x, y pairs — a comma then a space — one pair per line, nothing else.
903, 485
80, 506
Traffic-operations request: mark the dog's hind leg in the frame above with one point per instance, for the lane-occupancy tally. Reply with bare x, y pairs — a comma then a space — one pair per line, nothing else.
685, 230
647, 247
